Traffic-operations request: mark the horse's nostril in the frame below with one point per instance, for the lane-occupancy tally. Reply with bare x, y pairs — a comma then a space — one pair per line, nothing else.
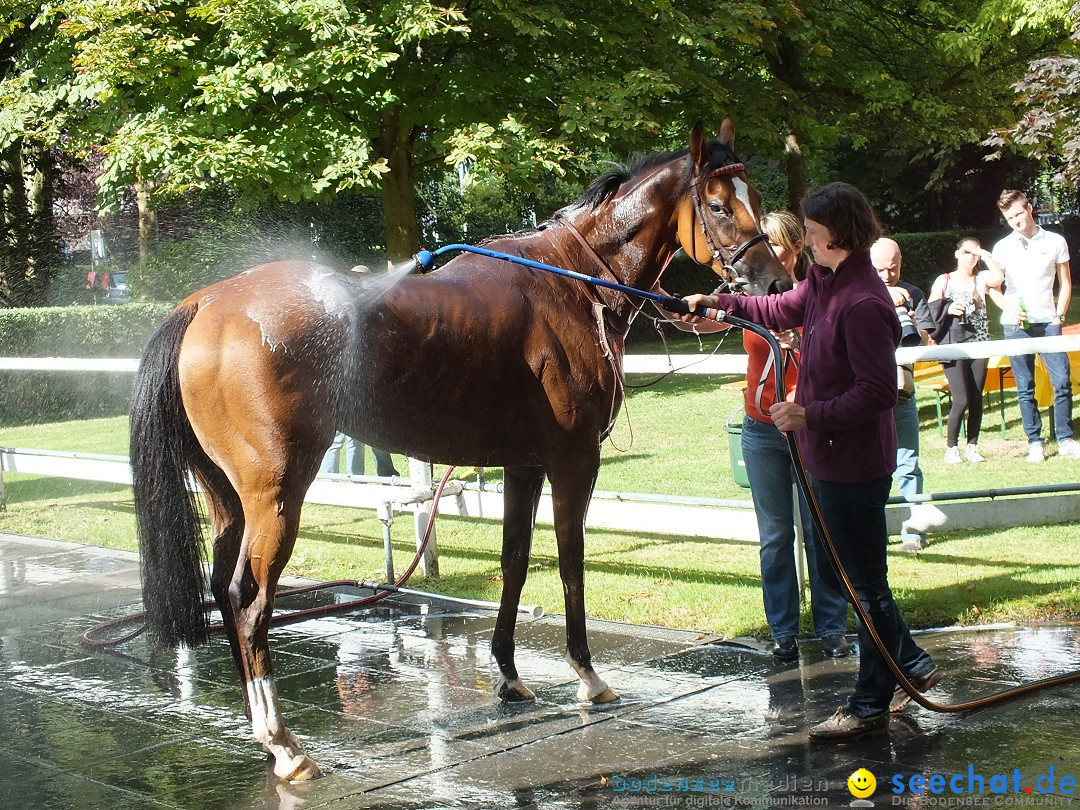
778, 286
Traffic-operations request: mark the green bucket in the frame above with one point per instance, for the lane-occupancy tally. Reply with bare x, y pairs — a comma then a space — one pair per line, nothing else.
733, 426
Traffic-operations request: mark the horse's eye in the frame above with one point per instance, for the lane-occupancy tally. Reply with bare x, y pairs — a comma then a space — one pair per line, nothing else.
719, 209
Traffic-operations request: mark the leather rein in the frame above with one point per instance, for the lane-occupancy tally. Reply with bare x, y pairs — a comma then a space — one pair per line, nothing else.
727, 256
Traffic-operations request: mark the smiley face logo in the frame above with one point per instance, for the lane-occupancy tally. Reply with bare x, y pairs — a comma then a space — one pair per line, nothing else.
862, 783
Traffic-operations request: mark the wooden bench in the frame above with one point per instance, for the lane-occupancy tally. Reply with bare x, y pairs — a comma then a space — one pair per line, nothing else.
930, 376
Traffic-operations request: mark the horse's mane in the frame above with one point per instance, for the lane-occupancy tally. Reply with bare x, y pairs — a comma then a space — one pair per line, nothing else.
606, 185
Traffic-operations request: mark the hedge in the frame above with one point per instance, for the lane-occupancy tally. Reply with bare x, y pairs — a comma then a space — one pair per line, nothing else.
928, 255
28, 397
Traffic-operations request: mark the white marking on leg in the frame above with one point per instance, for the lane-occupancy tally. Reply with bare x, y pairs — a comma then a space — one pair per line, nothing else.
268, 726
593, 688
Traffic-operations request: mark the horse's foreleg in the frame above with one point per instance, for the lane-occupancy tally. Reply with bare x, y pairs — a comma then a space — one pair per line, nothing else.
268, 541
521, 496
571, 489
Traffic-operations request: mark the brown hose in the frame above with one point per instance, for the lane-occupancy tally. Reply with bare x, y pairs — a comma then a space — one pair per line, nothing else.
88, 638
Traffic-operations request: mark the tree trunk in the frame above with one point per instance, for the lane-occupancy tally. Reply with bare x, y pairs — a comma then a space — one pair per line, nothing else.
5, 227
14, 241
785, 62
43, 250
398, 194
148, 227
796, 171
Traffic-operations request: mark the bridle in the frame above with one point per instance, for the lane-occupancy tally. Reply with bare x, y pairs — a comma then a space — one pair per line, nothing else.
727, 256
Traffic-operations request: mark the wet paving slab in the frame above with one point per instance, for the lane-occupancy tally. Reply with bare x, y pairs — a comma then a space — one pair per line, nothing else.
395, 701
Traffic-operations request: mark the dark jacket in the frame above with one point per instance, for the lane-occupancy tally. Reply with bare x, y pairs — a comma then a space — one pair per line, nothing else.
847, 378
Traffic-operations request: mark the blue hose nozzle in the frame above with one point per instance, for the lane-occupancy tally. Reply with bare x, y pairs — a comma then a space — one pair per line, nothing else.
425, 260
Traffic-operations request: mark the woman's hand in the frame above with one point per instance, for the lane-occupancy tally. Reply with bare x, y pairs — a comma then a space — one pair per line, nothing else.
787, 416
956, 308
790, 339
698, 301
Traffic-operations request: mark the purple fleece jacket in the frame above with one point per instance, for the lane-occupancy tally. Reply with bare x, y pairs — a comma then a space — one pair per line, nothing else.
847, 372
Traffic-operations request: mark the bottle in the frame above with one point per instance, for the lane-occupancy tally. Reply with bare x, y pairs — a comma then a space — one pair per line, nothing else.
1023, 315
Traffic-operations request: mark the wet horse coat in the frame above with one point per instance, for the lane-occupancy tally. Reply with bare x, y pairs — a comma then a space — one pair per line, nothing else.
480, 363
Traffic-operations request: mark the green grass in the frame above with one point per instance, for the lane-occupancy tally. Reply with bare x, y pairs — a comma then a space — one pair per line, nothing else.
672, 440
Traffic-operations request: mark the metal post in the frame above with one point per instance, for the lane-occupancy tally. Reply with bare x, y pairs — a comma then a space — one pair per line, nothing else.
800, 543
3, 497
386, 515
420, 475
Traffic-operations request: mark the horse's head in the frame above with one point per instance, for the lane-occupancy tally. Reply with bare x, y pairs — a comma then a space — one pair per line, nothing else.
719, 224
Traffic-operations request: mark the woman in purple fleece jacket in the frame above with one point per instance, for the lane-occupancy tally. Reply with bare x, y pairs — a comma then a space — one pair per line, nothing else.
843, 422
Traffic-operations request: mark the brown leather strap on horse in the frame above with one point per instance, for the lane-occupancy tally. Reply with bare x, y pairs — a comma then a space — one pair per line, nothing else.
614, 320
727, 256
611, 325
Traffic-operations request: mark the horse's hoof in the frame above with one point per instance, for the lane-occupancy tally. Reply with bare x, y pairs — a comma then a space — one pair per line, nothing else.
305, 770
603, 694
513, 691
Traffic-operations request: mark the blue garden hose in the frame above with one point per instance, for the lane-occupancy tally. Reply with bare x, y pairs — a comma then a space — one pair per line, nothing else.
425, 260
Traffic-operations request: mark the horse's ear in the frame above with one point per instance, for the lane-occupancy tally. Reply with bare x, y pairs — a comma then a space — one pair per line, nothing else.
727, 133
697, 144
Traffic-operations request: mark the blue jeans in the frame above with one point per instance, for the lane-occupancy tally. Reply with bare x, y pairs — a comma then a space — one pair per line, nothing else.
768, 468
855, 519
354, 457
1057, 367
908, 475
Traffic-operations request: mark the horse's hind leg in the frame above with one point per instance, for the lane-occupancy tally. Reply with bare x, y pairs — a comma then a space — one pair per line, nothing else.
272, 520
227, 524
572, 484
521, 495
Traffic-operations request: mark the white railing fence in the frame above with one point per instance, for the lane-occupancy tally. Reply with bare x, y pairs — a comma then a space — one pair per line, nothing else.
636, 512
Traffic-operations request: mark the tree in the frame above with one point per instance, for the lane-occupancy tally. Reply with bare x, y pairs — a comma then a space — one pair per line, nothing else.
298, 101
913, 87
28, 250
1048, 98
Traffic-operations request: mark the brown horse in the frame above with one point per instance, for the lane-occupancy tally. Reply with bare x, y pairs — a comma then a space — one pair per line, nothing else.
481, 363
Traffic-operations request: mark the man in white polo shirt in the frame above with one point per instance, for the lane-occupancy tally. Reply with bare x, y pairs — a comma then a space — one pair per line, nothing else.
1031, 258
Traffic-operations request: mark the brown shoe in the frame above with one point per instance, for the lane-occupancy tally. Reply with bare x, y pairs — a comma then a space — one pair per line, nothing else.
923, 683
844, 726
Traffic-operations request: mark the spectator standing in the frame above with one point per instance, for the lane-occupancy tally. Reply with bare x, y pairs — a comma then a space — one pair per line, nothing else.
842, 420
958, 303
772, 479
887, 260
777, 499
354, 458
1030, 259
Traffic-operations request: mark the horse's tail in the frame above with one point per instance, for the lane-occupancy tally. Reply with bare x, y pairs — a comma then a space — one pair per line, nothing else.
163, 449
